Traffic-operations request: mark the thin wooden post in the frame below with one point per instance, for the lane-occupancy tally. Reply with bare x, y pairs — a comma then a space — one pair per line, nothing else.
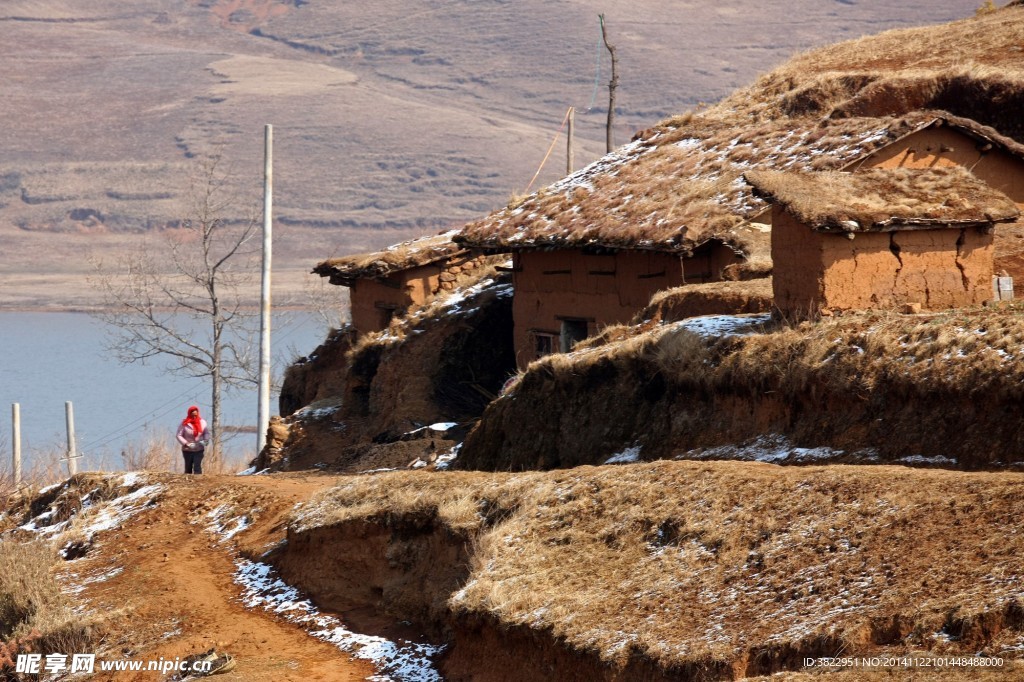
569, 151
263, 412
69, 413
16, 437
612, 84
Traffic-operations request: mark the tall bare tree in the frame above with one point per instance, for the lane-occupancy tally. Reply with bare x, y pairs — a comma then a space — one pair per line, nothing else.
612, 84
181, 296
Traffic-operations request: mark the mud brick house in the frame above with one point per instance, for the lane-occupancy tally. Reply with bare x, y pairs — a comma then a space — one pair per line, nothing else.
387, 283
565, 295
674, 201
881, 238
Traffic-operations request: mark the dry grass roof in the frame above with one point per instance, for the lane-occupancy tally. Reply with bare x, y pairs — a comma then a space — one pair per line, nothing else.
380, 264
884, 199
674, 189
679, 185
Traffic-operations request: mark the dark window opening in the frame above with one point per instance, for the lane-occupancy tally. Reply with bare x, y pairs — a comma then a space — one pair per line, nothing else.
543, 344
384, 316
573, 331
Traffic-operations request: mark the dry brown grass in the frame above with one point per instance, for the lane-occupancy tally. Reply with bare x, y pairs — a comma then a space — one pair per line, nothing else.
978, 49
877, 198
676, 188
975, 352
35, 616
678, 184
152, 454
380, 264
682, 561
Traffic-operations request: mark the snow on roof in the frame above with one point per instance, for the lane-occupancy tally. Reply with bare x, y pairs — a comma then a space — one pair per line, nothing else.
673, 189
676, 188
380, 264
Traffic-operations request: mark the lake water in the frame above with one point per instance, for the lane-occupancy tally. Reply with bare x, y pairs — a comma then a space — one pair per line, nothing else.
49, 358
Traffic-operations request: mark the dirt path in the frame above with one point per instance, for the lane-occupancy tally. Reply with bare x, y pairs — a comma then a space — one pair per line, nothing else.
175, 595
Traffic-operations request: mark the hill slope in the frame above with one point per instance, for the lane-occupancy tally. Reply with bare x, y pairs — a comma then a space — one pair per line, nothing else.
387, 121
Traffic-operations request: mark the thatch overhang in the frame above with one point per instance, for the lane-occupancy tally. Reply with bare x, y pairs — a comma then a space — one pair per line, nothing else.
884, 200
380, 265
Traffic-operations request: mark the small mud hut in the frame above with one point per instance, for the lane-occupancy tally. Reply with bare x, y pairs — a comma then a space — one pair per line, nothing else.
387, 283
881, 238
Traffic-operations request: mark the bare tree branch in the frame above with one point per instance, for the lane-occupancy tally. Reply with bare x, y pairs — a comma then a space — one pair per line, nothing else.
181, 298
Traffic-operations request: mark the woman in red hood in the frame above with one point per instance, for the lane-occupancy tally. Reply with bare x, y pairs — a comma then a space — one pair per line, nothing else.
193, 434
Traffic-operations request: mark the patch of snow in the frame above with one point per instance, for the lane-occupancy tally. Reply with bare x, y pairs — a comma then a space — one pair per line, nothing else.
398, 661
716, 326
630, 454
319, 412
117, 511
445, 459
108, 515
937, 460
439, 427
80, 584
52, 486
774, 449
131, 478
227, 528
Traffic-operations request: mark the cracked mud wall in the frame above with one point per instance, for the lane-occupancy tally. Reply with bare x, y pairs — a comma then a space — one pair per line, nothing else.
947, 147
938, 269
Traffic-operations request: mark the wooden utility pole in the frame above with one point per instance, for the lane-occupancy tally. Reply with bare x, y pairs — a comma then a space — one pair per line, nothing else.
569, 151
69, 413
263, 413
16, 437
612, 84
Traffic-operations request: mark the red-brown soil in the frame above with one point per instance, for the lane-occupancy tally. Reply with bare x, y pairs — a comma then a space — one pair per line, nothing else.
175, 596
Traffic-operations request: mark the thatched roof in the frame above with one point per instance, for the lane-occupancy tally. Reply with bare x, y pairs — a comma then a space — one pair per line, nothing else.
673, 189
381, 264
884, 200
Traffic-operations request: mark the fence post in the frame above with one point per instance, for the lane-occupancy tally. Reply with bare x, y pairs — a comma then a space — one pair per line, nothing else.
69, 411
16, 438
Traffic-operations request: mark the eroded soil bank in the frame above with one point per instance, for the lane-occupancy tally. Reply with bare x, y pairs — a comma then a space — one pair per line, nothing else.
878, 387
672, 570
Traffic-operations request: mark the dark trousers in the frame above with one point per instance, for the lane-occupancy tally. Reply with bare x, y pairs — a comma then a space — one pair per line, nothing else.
193, 461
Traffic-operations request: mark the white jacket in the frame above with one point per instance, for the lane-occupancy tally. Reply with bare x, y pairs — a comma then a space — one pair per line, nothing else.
189, 441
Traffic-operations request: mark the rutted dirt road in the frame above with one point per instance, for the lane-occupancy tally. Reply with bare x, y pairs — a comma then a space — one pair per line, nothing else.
175, 595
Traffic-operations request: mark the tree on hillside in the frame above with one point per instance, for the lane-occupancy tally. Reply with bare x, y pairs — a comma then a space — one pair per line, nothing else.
180, 297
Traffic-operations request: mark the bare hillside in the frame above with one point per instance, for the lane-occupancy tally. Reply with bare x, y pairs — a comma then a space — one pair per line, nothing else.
389, 121
675, 571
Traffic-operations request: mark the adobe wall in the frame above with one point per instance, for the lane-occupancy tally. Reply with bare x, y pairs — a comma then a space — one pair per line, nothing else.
602, 289
816, 272
412, 287
947, 147
945, 268
938, 147
367, 297
706, 265
796, 267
